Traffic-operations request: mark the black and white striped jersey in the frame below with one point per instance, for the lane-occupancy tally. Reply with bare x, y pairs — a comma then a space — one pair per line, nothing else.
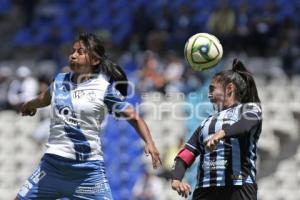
233, 162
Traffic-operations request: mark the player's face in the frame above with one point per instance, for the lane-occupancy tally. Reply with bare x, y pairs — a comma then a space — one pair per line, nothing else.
79, 60
216, 93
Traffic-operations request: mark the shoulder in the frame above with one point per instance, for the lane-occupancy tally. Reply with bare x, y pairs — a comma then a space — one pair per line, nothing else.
103, 79
252, 109
252, 106
62, 76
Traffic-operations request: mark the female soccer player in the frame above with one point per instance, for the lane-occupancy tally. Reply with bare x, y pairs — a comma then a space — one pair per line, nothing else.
72, 166
226, 141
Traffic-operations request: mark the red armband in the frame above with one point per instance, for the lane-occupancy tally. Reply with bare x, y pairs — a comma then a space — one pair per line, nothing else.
187, 156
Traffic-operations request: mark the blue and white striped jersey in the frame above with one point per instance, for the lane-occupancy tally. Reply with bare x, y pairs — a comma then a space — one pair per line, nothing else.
234, 160
77, 111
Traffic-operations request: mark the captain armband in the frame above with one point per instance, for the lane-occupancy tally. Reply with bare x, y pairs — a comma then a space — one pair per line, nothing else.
186, 156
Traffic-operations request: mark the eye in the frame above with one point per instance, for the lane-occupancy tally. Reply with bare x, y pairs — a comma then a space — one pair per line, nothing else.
81, 51
211, 88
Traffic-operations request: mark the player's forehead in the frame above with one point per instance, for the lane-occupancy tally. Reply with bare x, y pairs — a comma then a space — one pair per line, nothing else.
79, 45
215, 82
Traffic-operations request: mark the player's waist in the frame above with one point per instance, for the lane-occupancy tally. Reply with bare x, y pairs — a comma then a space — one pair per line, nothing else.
63, 163
67, 151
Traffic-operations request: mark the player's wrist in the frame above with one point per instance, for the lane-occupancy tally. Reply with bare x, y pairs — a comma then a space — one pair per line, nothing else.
149, 142
221, 134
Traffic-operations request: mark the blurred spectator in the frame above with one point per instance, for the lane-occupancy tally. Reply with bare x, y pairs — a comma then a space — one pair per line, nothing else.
23, 88
182, 28
152, 74
264, 29
148, 187
143, 24
156, 41
289, 49
221, 23
290, 56
5, 80
164, 21
242, 27
28, 7
173, 74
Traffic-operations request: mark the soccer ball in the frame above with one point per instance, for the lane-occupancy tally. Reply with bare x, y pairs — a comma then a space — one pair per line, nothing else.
203, 51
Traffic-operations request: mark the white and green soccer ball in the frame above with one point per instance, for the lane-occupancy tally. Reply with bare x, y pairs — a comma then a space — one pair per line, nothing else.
203, 51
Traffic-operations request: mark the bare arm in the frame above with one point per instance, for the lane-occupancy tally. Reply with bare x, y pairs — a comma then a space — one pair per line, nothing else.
140, 126
43, 100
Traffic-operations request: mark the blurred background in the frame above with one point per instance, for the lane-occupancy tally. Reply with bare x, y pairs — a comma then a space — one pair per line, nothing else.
147, 39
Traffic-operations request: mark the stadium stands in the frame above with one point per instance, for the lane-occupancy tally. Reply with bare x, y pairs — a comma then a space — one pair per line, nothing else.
39, 39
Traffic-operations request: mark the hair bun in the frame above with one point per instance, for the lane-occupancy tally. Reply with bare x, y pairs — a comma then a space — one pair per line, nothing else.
238, 66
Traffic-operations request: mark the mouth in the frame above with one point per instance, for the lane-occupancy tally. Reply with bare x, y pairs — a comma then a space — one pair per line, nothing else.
72, 63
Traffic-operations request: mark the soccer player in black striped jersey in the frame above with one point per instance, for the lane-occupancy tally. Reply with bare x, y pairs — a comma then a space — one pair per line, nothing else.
225, 142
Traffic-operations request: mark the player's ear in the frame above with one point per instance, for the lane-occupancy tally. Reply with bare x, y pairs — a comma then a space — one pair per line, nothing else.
95, 61
230, 89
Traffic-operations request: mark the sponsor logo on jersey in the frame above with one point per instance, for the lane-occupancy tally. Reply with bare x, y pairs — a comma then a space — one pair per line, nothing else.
78, 94
90, 95
215, 164
25, 188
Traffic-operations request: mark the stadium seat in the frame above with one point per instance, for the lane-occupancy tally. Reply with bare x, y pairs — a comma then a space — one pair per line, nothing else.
268, 141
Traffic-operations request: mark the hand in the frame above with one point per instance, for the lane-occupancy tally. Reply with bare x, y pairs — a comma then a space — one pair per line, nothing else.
26, 110
151, 149
212, 142
183, 189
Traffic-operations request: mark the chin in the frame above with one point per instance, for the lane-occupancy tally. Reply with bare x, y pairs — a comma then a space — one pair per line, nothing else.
74, 68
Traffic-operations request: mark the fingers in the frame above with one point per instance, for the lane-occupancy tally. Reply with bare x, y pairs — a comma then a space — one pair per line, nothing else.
25, 110
28, 112
159, 159
211, 144
183, 189
155, 159
32, 112
154, 155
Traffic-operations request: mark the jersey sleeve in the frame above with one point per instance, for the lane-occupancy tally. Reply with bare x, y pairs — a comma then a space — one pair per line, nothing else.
114, 100
252, 111
251, 117
193, 144
59, 77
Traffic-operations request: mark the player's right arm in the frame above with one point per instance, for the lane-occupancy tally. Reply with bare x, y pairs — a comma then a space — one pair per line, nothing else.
183, 161
42, 100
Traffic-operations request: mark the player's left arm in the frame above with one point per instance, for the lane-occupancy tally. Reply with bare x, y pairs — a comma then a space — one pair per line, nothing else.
118, 105
142, 129
249, 119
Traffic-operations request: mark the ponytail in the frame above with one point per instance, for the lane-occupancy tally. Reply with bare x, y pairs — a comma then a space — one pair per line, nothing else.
117, 75
250, 94
107, 67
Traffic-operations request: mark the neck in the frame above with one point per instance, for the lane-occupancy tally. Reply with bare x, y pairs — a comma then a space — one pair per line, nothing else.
226, 104
79, 78
232, 104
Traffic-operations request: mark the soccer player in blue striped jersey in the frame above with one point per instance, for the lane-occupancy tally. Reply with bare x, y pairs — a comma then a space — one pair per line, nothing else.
72, 166
225, 142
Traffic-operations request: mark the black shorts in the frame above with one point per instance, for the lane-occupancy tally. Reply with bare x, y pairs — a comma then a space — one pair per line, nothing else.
244, 192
